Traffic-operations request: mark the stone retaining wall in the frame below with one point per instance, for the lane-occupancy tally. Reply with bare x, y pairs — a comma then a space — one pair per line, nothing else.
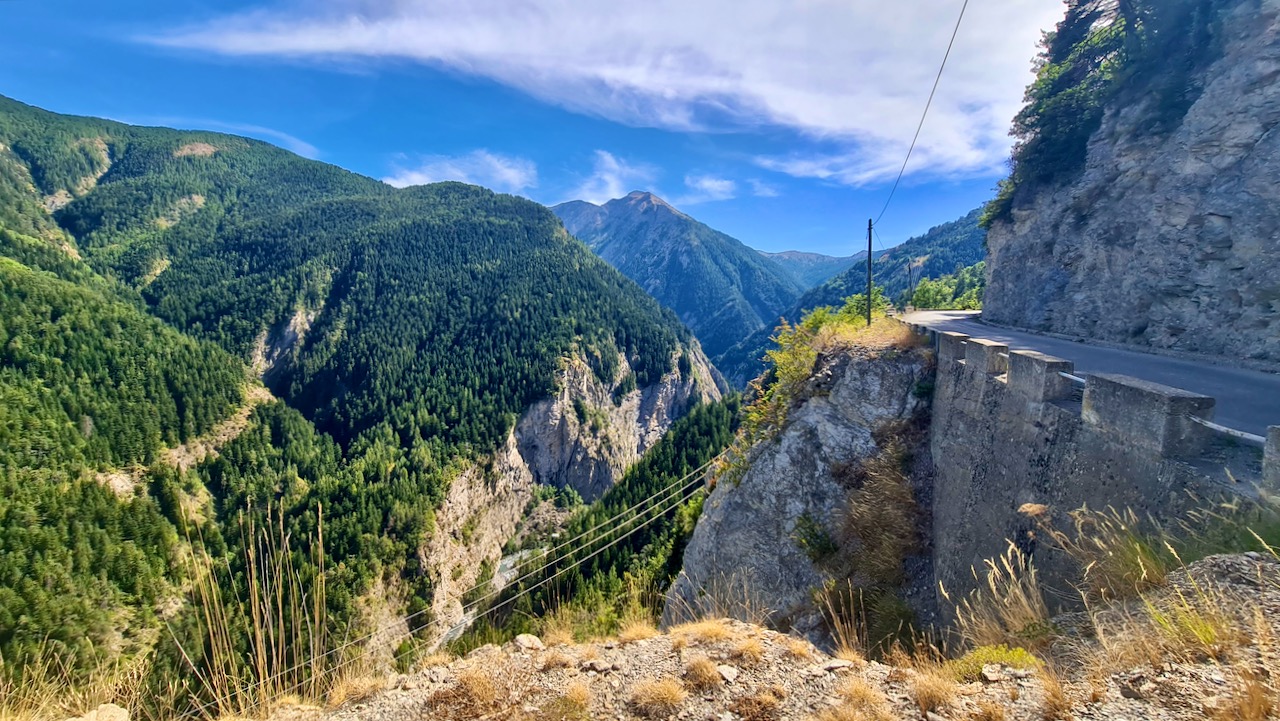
1009, 428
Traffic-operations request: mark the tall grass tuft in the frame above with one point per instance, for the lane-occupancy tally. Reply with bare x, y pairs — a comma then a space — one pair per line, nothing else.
1008, 607
267, 638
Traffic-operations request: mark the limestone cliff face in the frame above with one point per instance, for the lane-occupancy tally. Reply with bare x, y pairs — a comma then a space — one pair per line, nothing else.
479, 514
581, 438
1170, 241
746, 558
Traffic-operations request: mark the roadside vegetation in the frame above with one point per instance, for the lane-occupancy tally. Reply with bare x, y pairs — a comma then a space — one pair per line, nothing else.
962, 290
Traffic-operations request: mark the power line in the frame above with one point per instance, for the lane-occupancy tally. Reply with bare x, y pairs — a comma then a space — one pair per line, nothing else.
925, 114
523, 592
686, 491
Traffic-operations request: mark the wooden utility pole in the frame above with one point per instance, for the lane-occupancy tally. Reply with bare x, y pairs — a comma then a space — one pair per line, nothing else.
869, 227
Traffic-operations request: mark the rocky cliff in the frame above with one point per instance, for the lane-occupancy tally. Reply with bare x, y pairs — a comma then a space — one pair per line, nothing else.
584, 437
758, 548
589, 433
1167, 239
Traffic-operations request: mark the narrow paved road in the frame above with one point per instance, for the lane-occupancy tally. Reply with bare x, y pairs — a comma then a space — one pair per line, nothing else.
1247, 400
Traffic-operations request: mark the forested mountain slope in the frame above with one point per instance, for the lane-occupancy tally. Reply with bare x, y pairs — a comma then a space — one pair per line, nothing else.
719, 287
944, 249
147, 275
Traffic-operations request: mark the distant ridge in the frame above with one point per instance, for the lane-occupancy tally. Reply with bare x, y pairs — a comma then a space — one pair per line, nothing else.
812, 269
720, 288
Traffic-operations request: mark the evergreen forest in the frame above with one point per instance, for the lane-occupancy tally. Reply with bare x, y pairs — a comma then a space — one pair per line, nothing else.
150, 277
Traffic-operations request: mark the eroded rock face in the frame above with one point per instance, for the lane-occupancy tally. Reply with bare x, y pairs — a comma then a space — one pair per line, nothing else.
745, 559
1170, 241
477, 517
551, 445
582, 439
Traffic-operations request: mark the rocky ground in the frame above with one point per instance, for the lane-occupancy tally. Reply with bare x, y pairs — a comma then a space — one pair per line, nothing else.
726, 670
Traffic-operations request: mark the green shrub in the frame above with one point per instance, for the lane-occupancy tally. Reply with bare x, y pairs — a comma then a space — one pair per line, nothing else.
969, 666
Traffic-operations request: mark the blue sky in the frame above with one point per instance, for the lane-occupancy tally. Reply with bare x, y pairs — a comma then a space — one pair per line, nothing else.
780, 122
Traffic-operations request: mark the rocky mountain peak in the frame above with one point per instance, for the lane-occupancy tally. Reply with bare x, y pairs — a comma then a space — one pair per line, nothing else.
642, 201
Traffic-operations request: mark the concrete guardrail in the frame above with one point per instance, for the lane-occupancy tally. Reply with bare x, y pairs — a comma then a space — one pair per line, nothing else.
1170, 421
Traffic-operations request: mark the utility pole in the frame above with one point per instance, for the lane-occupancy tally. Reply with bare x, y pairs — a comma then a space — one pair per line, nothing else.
869, 227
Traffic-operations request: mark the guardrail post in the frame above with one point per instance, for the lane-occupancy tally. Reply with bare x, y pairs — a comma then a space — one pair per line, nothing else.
1147, 414
986, 356
1271, 459
950, 347
1036, 376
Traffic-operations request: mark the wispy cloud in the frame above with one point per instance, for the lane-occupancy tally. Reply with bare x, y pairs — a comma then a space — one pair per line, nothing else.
854, 75
761, 189
499, 172
707, 188
283, 139
612, 177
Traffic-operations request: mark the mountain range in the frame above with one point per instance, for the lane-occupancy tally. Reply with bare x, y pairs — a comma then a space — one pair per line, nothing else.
149, 276
721, 289
813, 269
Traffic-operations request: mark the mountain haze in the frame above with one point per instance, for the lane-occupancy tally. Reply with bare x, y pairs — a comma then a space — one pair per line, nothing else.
719, 287
812, 269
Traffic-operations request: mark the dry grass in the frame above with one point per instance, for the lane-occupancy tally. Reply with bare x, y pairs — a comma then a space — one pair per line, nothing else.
799, 649
637, 630
880, 516
1116, 560
439, 658
557, 627
1194, 627
478, 686
555, 659
845, 614
748, 652
860, 701
573, 705
726, 595
763, 706
932, 690
1055, 706
1008, 608
1251, 700
863, 695
988, 711
845, 712
474, 694
701, 674
853, 655
884, 333
350, 689
46, 689
705, 631
657, 697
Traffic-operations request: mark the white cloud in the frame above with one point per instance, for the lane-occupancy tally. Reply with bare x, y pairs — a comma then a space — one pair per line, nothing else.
612, 177
707, 188
761, 189
853, 74
502, 173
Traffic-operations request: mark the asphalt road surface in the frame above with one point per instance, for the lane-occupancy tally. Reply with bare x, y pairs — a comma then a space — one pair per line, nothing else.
1246, 400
